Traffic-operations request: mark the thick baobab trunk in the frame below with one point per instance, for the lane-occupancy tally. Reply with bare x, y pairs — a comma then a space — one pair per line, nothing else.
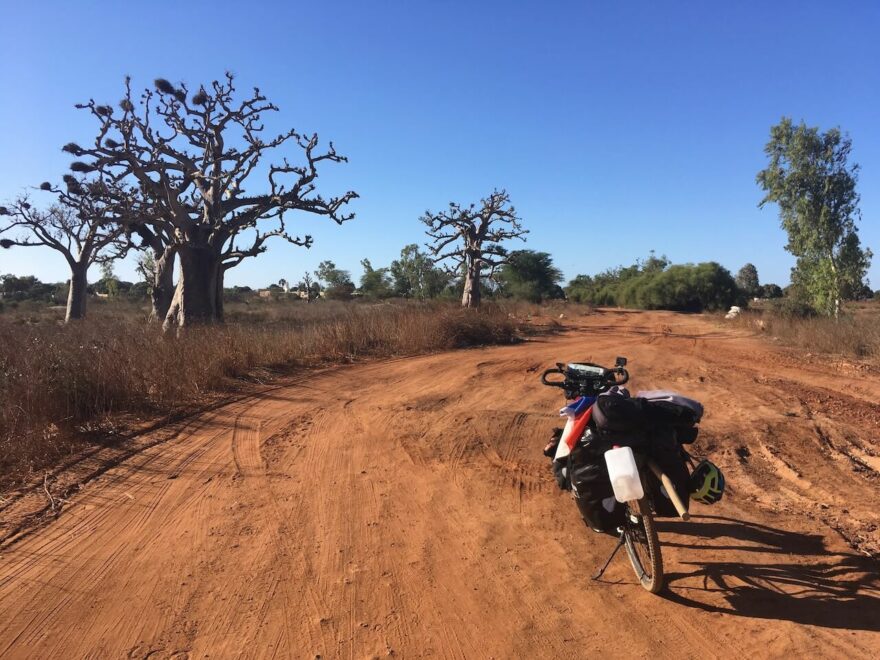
78, 292
195, 297
471, 295
163, 284
221, 275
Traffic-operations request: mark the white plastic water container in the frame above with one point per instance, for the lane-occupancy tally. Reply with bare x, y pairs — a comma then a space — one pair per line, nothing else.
624, 474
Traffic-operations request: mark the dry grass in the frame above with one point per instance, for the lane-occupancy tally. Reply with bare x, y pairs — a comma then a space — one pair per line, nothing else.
59, 383
856, 334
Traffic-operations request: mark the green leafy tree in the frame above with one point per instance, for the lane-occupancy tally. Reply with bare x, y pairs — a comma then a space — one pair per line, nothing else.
337, 282
415, 275
747, 280
530, 275
375, 282
27, 287
653, 264
603, 288
581, 289
11, 285
108, 283
811, 180
771, 291
686, 287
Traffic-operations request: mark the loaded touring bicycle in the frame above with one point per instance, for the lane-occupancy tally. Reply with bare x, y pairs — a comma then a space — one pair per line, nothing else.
623, 459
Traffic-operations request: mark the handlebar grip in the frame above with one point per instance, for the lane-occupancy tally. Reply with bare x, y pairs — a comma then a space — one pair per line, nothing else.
551, 383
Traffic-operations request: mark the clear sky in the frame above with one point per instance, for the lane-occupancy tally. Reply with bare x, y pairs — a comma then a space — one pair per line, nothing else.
617, 127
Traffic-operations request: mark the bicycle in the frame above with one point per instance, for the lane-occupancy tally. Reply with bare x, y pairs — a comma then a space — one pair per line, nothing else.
583, 383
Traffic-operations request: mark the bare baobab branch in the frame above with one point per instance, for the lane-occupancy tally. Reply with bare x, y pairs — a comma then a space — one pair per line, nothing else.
470, 238
85, 225
192, 156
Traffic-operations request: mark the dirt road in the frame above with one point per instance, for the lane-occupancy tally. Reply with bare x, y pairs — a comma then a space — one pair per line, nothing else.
403, 508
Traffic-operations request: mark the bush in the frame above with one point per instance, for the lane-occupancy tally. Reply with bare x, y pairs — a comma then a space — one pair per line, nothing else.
689, 287
531, 276
790, 307
771, 291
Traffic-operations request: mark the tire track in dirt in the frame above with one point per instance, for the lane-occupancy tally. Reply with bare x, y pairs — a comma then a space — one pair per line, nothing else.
404, 507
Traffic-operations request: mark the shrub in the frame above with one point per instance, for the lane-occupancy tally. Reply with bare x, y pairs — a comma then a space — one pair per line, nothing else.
771, 291
791, 307
689, 287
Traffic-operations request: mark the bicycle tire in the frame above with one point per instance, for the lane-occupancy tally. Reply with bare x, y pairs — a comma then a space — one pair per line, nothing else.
643, 548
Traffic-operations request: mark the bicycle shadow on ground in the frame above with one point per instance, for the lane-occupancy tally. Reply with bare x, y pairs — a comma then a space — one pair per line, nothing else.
815, 586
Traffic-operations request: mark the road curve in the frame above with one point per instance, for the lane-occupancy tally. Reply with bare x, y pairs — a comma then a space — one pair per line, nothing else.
403, 508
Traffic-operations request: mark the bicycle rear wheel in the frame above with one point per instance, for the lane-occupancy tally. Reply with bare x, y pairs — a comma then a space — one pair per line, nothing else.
643, 546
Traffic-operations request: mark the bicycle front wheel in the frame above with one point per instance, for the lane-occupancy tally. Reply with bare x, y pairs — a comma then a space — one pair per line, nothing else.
643, 546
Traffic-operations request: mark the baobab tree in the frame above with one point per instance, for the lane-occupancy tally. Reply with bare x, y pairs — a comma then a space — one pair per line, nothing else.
193, 156
85, 225
159, 268
470, 238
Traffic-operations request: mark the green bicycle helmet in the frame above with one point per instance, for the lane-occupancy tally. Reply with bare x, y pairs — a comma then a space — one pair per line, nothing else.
707, 483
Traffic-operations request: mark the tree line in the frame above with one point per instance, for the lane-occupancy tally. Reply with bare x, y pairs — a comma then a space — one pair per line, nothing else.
527, 275
182, 176
193, 182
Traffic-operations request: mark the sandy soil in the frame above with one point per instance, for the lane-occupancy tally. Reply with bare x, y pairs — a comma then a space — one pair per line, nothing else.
403, 508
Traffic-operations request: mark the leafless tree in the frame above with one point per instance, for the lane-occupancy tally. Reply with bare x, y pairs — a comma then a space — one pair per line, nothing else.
191, 156
307, 284
85, 225
470, 238
163, 250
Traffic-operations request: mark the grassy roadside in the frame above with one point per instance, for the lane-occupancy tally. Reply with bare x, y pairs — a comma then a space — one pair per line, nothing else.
855, 335
62, 388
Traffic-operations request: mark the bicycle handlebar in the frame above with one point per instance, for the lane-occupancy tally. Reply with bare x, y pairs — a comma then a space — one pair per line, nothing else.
559, 369
577, 382
620, 371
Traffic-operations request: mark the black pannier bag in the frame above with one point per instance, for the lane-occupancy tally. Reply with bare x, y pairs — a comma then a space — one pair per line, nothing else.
591, 486
656, 424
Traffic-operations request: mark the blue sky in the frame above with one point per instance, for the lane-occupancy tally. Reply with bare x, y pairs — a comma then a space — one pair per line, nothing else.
616, 127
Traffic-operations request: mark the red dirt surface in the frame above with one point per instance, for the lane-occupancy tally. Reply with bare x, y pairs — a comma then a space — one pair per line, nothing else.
403, 508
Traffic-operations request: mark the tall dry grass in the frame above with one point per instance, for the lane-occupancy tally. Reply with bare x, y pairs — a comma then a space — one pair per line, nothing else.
856, 334
57, 383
